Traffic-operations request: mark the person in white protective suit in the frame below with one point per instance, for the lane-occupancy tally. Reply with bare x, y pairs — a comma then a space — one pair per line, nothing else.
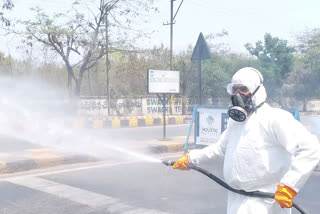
264, 149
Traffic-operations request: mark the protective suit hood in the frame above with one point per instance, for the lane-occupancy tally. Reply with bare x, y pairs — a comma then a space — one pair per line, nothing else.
251, 78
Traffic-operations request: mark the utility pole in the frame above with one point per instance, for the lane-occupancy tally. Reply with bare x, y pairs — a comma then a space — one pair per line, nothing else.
171, 23
171, 33
171, 41
172, 18
107, 60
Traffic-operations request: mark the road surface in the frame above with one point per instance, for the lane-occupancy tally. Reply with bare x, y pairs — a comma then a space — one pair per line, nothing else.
120, 185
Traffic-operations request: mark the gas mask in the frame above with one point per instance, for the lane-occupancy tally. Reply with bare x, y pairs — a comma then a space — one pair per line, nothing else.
242, 106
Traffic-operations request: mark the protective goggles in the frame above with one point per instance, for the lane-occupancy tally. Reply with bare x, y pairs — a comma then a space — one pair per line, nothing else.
232, 89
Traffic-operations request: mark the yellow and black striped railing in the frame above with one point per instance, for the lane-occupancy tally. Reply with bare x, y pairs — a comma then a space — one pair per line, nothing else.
120, 122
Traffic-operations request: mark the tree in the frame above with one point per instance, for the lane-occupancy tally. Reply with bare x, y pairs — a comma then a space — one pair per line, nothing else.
302, 84
305, 80
218, 70
80, 41
6, 5
216, 44
276, 58
217, 73
5, 64
130, 70
309, 47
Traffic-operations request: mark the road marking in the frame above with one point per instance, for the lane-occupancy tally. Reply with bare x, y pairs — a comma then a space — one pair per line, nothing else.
91, 199
94, 200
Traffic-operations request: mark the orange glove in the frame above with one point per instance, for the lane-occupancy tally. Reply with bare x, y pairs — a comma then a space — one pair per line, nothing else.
182, 163
284, 196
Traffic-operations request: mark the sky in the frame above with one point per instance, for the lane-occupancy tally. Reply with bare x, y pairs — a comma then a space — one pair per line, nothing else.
245, 20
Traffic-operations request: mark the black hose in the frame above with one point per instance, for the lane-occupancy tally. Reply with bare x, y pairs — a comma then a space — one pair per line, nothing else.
241, 192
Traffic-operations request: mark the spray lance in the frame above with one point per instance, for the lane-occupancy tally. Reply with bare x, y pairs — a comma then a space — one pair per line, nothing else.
226, 186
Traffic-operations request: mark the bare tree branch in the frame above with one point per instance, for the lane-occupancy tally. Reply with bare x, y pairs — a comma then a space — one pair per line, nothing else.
76, 37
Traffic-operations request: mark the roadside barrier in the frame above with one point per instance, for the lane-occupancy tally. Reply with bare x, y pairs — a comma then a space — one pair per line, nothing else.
122, 122
309, 113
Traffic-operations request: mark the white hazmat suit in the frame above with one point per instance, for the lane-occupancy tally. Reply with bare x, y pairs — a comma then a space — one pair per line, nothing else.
270, 147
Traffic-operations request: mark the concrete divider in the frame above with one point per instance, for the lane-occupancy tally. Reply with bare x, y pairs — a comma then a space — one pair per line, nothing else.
175, 144
31, 159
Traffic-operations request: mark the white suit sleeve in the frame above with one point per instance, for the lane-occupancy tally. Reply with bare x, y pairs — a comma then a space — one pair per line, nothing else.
301, 144
214, 150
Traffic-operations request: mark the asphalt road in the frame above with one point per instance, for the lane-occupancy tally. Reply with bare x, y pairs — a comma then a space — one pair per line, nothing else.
122, 183
101, 143
122, 186
104, 143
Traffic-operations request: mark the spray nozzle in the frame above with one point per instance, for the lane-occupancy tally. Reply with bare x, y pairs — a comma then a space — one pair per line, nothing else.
168, 163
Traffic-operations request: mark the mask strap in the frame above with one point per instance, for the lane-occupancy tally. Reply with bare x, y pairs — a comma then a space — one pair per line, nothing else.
250, 98
255, 91
256, 107
259, 105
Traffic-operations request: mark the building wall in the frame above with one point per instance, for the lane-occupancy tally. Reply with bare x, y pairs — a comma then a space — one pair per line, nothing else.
152, 106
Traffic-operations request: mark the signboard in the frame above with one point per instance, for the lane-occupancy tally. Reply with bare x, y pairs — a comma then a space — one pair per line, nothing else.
163, 82
201, 50
211, 123
313, 105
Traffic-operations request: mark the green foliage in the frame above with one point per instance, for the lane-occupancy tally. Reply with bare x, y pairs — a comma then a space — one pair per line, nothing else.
286, 73
275, 55
188, 73
5, 64
129, 70
307, 67
276, 63
218, 71
309, 47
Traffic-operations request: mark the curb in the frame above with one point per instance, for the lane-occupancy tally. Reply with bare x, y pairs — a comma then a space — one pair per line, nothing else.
122, 122
172, 147
38, 159
309, 113
166, 148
